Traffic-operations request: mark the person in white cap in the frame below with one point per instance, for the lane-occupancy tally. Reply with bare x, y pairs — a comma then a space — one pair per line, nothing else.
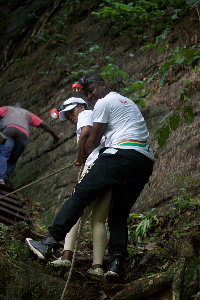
74, 110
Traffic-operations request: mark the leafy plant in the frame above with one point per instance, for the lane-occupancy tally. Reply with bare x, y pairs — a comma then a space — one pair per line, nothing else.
137, 91
113, 73
40, 227
185, 200
181, 55
3, 229
142, 15
184, 181
162, 46
17, 250
145, 224
173, 118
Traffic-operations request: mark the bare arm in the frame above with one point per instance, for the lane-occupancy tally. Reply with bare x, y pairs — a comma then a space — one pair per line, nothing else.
94, 139
85, 133
50, 130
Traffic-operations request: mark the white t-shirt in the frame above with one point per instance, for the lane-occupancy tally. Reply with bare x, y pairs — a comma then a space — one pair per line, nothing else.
126, 127
85, 118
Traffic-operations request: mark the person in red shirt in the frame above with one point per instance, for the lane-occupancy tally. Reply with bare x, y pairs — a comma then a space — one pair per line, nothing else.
15, 123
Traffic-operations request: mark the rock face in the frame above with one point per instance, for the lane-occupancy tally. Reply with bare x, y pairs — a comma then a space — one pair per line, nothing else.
44, 49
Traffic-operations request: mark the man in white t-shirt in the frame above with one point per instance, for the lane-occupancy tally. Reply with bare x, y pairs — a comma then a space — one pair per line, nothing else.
125, 165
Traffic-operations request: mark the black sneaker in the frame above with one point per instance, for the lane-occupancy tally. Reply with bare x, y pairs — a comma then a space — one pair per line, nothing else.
42, 249
114, 268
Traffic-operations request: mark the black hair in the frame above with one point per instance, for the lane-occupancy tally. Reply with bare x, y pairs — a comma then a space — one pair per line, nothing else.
83, 104
93, 77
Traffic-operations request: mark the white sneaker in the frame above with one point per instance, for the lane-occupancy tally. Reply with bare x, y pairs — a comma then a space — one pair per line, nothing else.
96, 272
61, 263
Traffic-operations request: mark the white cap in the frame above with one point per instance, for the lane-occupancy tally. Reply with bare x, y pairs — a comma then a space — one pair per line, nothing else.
69, 104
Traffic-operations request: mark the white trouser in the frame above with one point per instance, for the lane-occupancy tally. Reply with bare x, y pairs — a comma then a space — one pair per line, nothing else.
99, 212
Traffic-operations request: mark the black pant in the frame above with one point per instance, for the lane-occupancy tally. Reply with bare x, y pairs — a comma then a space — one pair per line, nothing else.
126, 172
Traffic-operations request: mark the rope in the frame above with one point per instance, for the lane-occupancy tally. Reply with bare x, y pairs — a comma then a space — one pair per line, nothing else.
75, 248
79, 228
73, 261
80, 221
38, 180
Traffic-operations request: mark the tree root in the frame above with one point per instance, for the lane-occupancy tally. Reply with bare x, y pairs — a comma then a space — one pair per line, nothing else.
180, 278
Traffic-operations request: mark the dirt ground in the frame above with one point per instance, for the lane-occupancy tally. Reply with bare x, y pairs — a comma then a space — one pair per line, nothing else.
23, 276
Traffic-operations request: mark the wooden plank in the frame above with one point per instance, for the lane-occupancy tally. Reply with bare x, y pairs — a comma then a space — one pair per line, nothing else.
4, 190
2, 138
14, 208
14, 196
11, 208
8, 199
16, 215
7, 221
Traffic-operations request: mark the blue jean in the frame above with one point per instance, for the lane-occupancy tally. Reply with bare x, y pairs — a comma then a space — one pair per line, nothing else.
10, 152
126, 172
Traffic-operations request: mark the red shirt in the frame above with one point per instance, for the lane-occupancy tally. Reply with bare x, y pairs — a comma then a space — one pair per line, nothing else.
34, 121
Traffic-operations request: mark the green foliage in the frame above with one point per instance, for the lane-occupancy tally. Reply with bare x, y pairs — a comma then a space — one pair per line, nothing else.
20, 62
3, 229
46, 73
60, 59
136, 91
173, 119
88, 61
142, 15
41, 38
32, 16
40, 227
17, 250
82, 72
181, 56
59, 37
118, 79
185, 200
184, 181
193, 3
146, 221
113, 73
149, 46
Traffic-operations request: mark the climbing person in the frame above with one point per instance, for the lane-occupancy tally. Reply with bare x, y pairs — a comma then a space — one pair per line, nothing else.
15, 123
125, 165
75, 110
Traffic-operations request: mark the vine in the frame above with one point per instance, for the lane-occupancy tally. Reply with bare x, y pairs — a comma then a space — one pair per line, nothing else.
142, 15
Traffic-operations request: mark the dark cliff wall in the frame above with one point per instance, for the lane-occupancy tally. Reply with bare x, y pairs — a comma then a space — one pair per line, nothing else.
38, 59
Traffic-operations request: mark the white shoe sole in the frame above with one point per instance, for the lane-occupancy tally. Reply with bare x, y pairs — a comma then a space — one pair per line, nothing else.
96, 272
59, 263
111, 274
35, 251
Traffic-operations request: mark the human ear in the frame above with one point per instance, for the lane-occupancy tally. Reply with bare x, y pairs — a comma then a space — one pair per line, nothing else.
102, 83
